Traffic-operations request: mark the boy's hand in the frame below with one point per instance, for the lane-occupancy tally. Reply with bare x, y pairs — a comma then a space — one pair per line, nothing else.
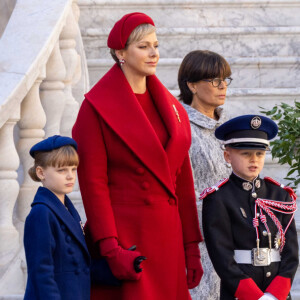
124, 264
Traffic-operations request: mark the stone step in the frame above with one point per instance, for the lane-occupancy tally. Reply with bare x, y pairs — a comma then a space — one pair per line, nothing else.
12, 297
204, 13
228, 41
247, 72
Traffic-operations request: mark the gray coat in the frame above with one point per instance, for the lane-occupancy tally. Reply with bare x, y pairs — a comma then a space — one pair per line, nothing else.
208, 167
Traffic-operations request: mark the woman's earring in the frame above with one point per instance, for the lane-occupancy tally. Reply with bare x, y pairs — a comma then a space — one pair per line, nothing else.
122, 62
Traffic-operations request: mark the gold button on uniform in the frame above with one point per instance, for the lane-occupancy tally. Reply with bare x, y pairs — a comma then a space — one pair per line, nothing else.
268, 274
265, 233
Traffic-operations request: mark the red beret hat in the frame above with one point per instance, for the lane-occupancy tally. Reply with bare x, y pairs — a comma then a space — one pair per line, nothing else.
122, 29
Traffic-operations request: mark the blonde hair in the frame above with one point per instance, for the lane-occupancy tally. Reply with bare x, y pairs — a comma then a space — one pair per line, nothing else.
63, 156
136, 35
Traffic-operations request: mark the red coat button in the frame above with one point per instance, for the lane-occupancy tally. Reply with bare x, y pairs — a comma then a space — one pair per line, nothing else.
140, 171
147, 201
145, 185
171, 201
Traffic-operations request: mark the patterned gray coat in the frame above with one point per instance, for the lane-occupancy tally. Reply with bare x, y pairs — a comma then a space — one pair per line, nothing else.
208, 167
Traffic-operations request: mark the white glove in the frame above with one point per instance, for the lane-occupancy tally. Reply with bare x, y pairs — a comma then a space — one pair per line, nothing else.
267, 296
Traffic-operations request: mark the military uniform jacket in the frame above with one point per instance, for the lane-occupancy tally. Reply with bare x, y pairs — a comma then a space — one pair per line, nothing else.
227, 223
57, 257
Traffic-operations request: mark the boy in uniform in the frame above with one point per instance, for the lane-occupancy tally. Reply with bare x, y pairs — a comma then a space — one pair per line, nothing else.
248, 221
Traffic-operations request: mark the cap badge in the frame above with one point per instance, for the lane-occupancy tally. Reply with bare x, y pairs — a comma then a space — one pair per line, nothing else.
247, 186
255, 122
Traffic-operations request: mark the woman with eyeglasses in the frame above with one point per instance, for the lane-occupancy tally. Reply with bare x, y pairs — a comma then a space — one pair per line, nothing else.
203, 79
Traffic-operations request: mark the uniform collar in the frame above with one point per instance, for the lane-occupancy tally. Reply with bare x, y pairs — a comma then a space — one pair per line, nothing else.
201, 120
246, 185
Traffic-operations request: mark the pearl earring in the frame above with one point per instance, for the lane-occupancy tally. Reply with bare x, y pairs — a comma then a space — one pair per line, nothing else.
122, 61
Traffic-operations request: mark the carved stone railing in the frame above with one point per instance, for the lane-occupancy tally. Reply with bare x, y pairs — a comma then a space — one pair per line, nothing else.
41, 63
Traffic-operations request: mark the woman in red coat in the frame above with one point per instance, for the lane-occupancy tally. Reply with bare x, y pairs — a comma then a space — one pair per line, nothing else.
135, 176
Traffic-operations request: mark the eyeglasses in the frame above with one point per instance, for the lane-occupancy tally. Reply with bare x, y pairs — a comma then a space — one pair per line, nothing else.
216, 82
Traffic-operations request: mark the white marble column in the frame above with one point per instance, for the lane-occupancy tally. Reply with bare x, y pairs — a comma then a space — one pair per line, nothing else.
73, 73
52, 92
71, 60
9, 189
31, 124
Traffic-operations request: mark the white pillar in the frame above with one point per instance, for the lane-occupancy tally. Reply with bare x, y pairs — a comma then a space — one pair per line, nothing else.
52, 92
73, 73
31, 124
71, 60
9, 189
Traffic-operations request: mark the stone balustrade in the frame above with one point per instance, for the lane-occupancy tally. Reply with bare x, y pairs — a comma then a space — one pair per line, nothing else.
41, 63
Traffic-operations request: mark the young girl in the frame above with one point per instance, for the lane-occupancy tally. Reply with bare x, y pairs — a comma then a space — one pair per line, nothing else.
57, 257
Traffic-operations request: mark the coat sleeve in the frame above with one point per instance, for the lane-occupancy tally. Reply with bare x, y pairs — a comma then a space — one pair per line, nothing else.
281, 284
39, 244
92, 173
187, 203
220, 246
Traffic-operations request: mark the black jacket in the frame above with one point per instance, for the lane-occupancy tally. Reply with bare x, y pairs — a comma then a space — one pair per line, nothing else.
228, 225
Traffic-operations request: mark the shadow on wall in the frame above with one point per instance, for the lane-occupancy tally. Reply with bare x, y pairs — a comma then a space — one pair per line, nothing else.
6, 9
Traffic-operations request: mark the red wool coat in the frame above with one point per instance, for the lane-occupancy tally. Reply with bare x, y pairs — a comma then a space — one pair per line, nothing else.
134, 189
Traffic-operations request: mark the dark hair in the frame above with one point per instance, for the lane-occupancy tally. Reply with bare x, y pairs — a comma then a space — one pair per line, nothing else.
60, 157
197, 65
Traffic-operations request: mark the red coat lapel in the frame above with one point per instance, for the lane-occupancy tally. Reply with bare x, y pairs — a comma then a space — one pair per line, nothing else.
176, 121
115, 101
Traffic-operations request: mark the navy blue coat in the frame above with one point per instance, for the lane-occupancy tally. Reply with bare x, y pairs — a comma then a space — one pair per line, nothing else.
57, 257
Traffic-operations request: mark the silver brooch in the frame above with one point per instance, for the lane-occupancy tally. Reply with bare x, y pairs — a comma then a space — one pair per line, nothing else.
247, 186
82, 227
257, 183
255, 122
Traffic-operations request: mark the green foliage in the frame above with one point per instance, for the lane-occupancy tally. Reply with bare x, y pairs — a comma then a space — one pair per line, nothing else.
287, 147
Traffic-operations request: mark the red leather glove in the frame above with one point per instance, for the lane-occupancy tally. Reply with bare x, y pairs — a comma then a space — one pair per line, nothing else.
120, 261
193, 264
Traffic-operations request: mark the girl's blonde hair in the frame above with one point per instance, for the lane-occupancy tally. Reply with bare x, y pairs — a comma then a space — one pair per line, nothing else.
61, 157
136, 35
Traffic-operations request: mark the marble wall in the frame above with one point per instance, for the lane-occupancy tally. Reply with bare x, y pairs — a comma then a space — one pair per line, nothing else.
260, 39
6, 8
